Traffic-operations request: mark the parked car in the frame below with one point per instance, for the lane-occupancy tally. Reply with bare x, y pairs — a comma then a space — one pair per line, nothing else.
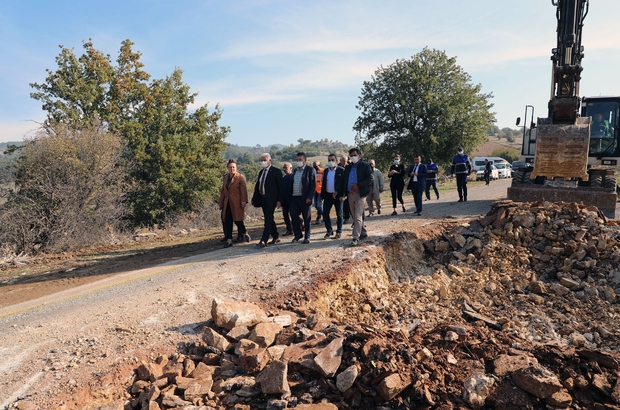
503, 169
515, 167
494, 174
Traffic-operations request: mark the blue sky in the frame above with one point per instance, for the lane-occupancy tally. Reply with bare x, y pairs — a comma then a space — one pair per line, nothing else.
284, 70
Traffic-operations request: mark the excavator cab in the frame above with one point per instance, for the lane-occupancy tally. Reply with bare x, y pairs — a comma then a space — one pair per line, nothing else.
604, 131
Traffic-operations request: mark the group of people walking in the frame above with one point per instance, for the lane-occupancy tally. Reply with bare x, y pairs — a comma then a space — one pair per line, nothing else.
347, 185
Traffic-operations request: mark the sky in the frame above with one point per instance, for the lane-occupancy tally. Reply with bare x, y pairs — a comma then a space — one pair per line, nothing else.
282, 70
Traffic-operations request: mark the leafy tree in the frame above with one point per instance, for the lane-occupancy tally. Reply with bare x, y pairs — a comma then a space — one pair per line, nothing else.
177, 153
70, 190
423, 106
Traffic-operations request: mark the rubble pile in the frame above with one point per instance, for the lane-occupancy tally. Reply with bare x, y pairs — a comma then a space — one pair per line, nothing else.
515, 310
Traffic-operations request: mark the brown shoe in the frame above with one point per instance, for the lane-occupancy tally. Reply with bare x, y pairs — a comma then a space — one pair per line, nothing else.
287, 233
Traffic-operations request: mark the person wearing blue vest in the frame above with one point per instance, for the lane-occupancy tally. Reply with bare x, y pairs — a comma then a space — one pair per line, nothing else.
431, 178
462, 168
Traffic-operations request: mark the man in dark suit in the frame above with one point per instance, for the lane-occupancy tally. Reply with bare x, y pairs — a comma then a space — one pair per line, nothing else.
268, 195
332, 175
287, 182
355, 185
418, 173
304, 185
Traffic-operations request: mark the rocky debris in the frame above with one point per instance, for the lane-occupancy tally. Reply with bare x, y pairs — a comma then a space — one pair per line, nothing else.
351, 366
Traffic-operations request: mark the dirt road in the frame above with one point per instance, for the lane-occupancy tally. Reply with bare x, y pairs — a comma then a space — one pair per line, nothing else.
55, 346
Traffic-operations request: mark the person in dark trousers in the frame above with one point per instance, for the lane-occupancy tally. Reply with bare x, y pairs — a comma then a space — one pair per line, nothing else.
268, 193
487, 171
462, 168
332, 177
317, 193
431, 178
304, 185
346, 210
397, 183
355, 185
287, 182
233, 199
417, 173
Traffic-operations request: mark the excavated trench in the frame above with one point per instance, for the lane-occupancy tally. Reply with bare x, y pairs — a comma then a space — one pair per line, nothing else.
516, 310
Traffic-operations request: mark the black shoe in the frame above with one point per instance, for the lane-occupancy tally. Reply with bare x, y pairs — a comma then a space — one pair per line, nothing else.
228, 245
346, 221
378, 212
460, 200
404, 210
247, 237
327, 235
465, 200
296, 239
261, 244
223, 240
394, 213
438, 197
287, 233
318, 221
363, 236
274, 241
418, 213
306, 241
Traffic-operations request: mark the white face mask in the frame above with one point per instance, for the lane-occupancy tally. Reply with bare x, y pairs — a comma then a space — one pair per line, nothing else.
300, 164
397, 161
331, 164
264, 164
355, 159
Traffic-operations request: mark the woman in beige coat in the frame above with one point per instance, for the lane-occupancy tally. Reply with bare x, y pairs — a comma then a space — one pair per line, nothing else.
233, 199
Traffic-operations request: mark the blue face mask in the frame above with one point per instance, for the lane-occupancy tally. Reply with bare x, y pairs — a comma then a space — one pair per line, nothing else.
396, 161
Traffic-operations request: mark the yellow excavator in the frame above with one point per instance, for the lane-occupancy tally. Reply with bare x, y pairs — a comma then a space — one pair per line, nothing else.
572, 153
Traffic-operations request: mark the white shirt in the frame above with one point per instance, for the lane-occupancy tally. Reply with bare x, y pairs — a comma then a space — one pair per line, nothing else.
415, 171
331, 181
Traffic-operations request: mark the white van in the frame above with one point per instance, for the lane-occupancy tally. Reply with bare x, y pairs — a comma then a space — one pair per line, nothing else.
503, 166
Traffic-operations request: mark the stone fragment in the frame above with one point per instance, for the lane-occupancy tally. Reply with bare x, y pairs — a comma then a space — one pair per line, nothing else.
476, 389
505, 365
188, 366
265, 333
455, 269
537, 380
282, 320
615, 392
328, 360
253, 361
273, 379
199, 388
391, 386
298, 356
602, 384
239, 332
423, 355
459, 240
451, 336
317, 406
172, 400
212, 338
149, 371
561, 399
276, 351
245, 345
345, 380
230, 313
569, 283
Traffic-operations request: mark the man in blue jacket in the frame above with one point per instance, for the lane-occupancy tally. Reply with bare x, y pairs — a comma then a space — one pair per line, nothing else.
462, 168
355, 185
431, 178
417, 173
304, 184
332, 176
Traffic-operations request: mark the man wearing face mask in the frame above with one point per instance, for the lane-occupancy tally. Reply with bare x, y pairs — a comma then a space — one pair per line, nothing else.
355, 186
268, 195
462, 168
397, 174
374, 197
417, 172
317, 192
304, 185
332, 175
287, 182
346, 210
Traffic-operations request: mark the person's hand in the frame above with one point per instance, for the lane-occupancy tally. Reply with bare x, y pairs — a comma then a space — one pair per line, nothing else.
308, 200
354, 188
243, 204
278, 205
343, 198
334, 195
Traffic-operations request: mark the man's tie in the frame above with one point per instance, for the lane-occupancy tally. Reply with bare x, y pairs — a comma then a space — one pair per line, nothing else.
262, 182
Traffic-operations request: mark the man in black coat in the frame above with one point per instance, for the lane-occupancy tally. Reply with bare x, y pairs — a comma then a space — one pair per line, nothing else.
417, 173
304, 185
355, 186
332, 175
268, 195
287, 170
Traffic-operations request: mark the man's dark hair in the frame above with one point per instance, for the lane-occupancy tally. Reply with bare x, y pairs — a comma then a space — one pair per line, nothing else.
356, 150
332, 155
302, 154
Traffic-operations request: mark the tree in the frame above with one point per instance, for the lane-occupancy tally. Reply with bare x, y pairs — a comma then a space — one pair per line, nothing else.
508, 154
176, 153
423, 106
69, 190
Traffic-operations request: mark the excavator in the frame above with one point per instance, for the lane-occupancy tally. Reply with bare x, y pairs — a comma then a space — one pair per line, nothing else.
571, 155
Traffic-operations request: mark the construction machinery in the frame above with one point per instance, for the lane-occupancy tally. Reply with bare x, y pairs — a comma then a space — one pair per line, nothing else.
572, 153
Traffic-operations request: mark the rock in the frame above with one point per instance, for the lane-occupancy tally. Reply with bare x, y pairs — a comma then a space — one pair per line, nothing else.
172, 400
273, 379
254, 360
212, 338
328, 360
602, 384
265, 333
282, 320
476, 389
560, 399
451, 336
391, 386
244, 345
615, 392
569, 283
197, 389
455, 269
424, 355
345, 380
149, 371
317, 406
230, 313
537, 380
505, 365
238, 332
299, 357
